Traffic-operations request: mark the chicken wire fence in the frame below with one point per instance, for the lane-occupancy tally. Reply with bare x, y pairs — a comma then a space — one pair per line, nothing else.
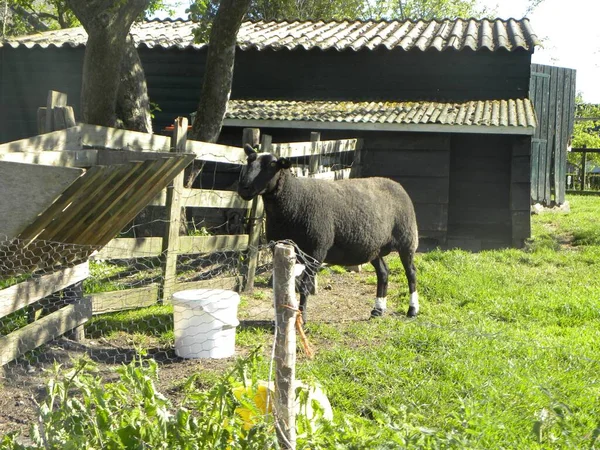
57, 305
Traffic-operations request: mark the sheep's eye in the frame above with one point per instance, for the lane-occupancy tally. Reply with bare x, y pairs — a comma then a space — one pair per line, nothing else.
273, 164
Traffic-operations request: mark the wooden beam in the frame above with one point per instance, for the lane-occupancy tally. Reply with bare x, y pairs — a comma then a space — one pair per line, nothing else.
23, 294
129, 248
113, 138
205, 198
55, 99
69, 139
44, 330
205, 151
105, 302
211, 244
170, 242
67, 158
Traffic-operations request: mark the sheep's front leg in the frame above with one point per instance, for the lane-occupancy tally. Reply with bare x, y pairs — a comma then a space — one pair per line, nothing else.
381, 270
307, 283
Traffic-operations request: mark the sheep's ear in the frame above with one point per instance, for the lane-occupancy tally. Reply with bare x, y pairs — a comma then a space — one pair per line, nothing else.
284, 163
249, 150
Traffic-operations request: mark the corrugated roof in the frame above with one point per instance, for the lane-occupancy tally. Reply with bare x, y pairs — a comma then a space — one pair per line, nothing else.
517, 113
447, 34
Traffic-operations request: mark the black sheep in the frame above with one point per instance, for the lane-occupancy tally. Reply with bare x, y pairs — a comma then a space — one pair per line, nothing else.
346, 222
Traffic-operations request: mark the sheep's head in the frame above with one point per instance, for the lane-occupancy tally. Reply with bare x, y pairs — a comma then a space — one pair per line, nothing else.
261, 173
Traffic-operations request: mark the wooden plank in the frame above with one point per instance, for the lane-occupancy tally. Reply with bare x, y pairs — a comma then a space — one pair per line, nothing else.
102, 137
27, 191
73, 193
551, 148
230, 283
255, 219
69, 139
107, 157
314, 160
342, 174
300, 149
69, 225
129, 248
205, 151
535, 159
140, 195
410, 141
560, 141
23, 294
44, 330
170, 241
55, 98
67, 158
106, 302
205, 198
210, 244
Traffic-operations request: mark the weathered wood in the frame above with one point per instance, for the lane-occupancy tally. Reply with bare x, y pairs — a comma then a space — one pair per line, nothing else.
54, 99
105, 302
170, 242
286, 310
20, 207
230, 283
44, 330
72, 195
67, 158
266, 142
69, 139
255, 219
315, 159
41, 120
205, 151
342, 174
28, 292
96, 136
300, 149
251, 136
129, 248
205, 198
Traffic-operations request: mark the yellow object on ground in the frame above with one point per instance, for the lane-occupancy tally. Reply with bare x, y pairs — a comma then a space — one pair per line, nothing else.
258, 396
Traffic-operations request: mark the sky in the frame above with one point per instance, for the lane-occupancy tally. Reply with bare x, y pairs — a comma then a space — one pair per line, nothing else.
568, 28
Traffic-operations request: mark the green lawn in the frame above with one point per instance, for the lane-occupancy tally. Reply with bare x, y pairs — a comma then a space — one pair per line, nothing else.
505, 352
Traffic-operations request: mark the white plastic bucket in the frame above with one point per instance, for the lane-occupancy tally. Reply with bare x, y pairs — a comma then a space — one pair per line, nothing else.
205, 322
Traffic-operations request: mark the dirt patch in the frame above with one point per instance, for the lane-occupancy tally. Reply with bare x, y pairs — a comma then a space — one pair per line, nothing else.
341, 297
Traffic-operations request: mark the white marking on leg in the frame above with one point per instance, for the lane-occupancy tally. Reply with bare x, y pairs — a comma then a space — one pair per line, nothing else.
381, 303
414, 301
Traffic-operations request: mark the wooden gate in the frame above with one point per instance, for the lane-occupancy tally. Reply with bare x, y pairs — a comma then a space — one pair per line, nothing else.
552, 91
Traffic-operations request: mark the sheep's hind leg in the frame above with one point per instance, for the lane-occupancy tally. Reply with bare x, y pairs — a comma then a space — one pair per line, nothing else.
306, 286
381, 270
407, 258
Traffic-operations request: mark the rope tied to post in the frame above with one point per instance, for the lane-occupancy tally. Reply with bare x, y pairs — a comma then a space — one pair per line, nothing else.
308, 350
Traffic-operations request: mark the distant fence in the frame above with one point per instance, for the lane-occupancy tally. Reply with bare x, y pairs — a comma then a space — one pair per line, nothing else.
55, 300
583, 181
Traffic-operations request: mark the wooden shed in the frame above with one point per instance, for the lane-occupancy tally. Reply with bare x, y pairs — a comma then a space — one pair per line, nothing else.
442, 106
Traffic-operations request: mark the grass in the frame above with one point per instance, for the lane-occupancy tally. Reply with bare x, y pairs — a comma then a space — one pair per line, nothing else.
505, 353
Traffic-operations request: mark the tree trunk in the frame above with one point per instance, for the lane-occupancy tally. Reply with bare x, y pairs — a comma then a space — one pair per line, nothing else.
218, 74
133, 104
107, 24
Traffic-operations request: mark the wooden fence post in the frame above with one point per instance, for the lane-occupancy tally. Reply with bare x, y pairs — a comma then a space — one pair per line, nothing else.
170, 240
583, 164
56, 115
315, 158
286, 308
251, 136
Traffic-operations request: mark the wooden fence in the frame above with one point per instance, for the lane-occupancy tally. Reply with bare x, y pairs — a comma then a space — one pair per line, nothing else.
552, 91
84, 145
